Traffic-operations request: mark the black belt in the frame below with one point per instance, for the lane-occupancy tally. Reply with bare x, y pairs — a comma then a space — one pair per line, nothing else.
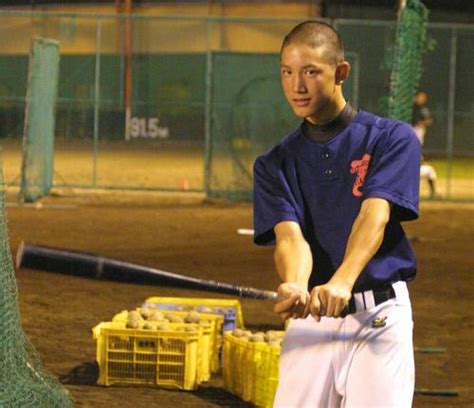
380, 295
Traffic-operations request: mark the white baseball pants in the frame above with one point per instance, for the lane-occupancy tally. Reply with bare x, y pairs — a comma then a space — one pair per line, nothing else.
363, 360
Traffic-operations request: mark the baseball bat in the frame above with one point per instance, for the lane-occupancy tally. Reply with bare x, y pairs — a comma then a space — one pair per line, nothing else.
436, 392
99, 267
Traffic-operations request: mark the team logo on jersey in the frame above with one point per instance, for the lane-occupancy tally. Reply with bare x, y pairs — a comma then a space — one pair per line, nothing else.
379, 322
360, 167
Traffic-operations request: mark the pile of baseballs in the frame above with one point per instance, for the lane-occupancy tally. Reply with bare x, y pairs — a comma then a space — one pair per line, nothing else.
154, 319
205, 309
271, 337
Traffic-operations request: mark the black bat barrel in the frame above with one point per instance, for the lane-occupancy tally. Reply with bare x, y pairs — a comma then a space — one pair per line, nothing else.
97, 267
58, 261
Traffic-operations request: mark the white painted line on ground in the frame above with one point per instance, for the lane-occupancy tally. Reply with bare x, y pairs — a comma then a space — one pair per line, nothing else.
40, 206
245, 231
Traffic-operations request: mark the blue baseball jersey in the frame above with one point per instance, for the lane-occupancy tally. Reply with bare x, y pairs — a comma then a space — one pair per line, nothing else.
322, 186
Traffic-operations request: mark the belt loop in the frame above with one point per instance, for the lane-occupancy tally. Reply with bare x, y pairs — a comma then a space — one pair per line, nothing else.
370, 299
358, 301
401, 291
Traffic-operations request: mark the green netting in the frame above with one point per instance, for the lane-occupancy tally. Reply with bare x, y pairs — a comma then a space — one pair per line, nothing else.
248, 115
410, 45
38, 135
168, 71
24, 383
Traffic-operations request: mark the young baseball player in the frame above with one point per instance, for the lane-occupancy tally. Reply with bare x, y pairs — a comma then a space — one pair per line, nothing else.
331, 197
421, 120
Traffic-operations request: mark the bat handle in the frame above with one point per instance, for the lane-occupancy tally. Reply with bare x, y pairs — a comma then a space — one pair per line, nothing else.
345, 311
274, 296
258, 294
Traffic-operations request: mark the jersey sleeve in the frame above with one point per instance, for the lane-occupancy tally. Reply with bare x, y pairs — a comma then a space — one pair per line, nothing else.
273, 201
394, 173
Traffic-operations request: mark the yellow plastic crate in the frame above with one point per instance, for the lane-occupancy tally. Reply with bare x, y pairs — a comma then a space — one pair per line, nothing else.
217, 322
266, 376
136, 356
206, 341
250, 370
231, 320
232, 364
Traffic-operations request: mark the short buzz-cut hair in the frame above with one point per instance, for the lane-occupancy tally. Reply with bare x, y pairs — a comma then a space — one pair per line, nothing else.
317, 34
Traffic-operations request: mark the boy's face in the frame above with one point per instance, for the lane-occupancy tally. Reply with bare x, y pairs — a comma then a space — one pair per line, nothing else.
308, 80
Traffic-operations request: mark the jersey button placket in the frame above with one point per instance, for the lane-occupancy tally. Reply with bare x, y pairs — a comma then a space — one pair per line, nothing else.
326, 155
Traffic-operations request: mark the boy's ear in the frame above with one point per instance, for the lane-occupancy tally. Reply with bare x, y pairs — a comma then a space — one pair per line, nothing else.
342, 72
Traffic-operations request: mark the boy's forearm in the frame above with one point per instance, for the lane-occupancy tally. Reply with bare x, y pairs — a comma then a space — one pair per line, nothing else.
364, 241
293, 261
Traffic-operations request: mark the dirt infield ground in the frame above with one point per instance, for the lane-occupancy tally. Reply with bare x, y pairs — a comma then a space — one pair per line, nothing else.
172, 166
199, 239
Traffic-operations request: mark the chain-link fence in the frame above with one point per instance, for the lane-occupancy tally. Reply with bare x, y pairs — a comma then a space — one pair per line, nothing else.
167, 66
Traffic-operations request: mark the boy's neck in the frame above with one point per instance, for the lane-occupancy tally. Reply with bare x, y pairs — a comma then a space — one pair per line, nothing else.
332, 112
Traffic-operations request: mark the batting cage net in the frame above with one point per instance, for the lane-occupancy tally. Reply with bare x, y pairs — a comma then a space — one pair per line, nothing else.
410, 46
38, 136
248, 115
24, 382
149, 101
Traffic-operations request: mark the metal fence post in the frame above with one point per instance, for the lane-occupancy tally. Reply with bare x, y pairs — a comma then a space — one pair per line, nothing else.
451, 109
96, 101
207, 109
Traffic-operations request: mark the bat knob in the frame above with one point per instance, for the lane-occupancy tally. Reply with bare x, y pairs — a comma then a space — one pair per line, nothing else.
345, 311
19, 254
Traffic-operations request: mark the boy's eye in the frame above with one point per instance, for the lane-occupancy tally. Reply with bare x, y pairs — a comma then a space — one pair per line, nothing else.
285, 72
310, 72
